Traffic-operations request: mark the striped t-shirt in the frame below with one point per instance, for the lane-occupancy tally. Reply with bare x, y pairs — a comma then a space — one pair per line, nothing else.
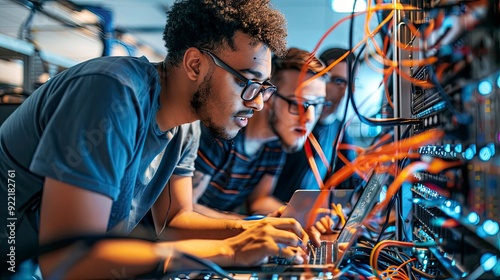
234, 173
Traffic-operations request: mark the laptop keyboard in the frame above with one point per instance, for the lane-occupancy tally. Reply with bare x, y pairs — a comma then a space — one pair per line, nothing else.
327, 254
324, 254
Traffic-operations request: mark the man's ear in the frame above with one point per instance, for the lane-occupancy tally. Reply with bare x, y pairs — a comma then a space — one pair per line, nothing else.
192, 63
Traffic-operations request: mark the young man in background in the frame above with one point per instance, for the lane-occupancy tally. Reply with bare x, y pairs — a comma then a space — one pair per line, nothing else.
297, 174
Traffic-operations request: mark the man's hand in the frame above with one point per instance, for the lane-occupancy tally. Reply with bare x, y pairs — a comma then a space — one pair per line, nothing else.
328, 223
261, 239
287, 224
277, 213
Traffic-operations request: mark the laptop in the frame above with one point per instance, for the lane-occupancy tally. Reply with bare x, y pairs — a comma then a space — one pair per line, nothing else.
329, 257
301, 202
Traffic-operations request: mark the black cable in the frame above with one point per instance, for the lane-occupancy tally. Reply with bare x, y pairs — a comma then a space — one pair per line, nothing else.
350, 64
384, 256
402, 222
168, 211
213, 267
462, 118
390, 256
342, 124
383, 122
365, 268
85, 244
387, 216
362, 264
370, 121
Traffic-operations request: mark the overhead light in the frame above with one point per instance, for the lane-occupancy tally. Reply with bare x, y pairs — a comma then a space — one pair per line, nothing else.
345, 6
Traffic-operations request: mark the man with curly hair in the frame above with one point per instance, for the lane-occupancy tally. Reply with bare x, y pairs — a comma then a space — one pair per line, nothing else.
244, 170
102, 143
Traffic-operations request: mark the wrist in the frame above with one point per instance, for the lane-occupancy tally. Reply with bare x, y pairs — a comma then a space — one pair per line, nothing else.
237, 225
226, 256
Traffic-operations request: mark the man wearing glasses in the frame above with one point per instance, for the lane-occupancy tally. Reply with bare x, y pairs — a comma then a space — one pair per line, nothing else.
296, 172
230, 174
100, 144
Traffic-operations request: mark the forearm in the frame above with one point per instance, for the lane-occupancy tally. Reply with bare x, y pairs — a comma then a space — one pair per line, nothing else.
217, 251
265, 205
191, 225
210, 212
111, 259
104, 260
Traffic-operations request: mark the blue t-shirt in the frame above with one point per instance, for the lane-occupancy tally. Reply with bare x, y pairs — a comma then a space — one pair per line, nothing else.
234, 173
94, 126
297, 174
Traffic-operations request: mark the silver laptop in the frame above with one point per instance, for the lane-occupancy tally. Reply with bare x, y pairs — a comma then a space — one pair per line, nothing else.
302, 201
327, 257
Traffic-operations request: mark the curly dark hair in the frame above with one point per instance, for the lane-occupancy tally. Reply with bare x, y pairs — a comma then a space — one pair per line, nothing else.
295, 59
212, 23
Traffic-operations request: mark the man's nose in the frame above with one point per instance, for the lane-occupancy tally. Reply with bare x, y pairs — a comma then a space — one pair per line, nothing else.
257, 103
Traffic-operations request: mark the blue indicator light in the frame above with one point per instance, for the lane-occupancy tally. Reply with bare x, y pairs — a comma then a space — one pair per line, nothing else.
447, 148
447, 203
485, 154
488, 261
485, 88
473, 218
469, 154
490, 227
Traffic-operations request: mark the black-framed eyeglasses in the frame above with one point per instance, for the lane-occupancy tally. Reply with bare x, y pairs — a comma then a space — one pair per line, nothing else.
338, 81
293, 105
251, 88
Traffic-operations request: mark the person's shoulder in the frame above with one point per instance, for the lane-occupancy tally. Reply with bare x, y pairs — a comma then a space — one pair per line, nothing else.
323, 130
110, 60
131, 72
114, 65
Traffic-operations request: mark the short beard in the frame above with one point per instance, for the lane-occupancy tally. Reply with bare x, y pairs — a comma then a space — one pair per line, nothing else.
287, 148
200, 103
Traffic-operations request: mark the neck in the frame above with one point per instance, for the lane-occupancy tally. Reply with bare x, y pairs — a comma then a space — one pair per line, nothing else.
258, 132
175, 108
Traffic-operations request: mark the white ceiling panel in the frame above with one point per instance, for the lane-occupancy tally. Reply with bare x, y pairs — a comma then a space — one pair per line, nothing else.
144, 20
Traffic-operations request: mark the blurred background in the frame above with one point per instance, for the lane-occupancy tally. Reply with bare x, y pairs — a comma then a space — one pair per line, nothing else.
40, 38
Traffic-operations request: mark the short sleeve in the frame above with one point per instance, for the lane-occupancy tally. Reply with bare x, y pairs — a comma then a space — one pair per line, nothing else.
91, 136
190, 143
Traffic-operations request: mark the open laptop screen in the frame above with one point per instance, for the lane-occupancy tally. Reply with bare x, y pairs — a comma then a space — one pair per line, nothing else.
300, 205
